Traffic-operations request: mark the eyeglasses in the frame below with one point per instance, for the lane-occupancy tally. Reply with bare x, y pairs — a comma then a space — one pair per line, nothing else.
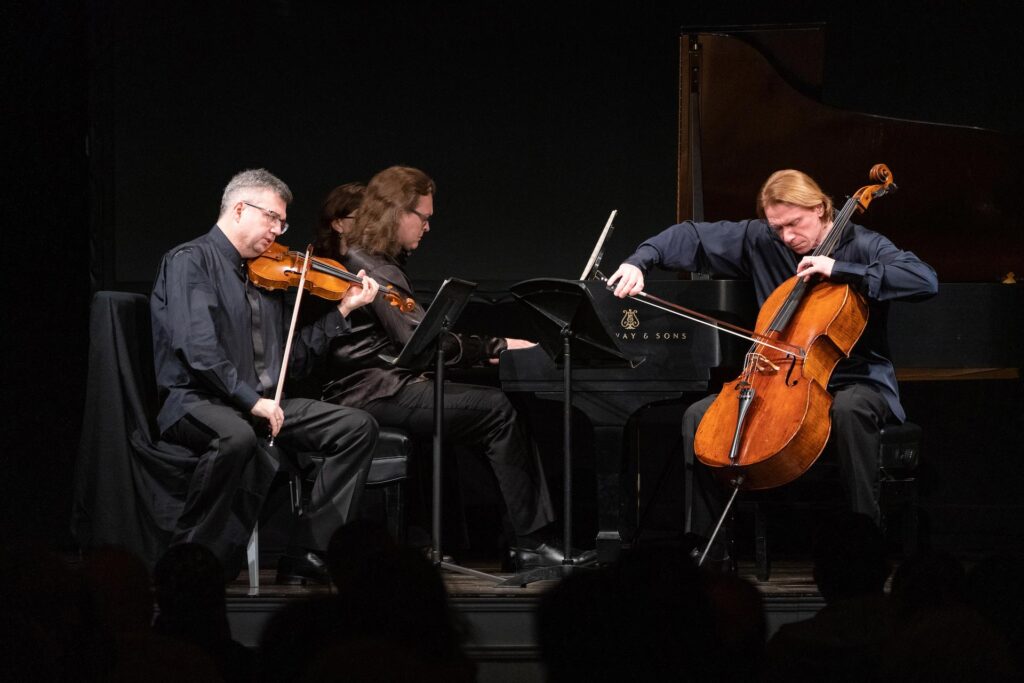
422, 216
272, 215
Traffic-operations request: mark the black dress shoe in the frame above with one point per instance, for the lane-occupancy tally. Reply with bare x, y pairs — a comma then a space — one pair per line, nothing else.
429, 554
544, 555
301, 569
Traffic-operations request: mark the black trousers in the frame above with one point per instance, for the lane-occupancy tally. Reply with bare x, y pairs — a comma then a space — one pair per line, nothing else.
859, 411
482, 417
235, 469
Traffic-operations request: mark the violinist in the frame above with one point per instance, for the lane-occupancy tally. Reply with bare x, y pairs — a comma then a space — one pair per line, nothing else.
794, 215
395, 215
218, 346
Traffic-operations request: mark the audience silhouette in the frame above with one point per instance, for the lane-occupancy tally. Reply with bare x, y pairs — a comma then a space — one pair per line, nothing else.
740, 627
844, 640
122, 594
389, 620
652, 615
646, 617
938, 635
995, 589
190, 596
48, 621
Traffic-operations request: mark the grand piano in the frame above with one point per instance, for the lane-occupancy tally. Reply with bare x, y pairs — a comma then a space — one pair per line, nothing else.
669, 356
749, 105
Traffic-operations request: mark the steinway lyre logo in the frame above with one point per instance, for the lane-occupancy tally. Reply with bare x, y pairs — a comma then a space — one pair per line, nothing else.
630, 320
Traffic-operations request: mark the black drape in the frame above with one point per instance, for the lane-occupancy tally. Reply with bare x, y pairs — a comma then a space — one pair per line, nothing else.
129, 486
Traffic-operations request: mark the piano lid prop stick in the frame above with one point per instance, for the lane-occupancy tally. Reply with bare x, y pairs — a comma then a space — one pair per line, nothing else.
595, 256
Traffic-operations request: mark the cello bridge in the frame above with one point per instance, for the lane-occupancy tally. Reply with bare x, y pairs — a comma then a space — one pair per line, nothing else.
758, 362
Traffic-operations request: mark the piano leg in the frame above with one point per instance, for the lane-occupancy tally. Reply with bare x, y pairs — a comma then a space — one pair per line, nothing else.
609, 413
608, 449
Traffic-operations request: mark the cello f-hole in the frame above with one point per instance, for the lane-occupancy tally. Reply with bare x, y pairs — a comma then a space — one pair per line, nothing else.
790, 382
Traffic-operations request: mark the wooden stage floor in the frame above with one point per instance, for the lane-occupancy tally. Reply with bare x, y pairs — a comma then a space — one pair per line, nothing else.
501, 620
789, 579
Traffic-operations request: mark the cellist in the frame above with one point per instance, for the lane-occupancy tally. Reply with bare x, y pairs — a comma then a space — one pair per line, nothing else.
794, 216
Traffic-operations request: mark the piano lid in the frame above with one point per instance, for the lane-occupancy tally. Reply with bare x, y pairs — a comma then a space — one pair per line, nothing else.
749, 105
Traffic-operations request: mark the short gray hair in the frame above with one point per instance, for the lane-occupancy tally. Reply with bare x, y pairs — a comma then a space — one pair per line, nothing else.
255, 178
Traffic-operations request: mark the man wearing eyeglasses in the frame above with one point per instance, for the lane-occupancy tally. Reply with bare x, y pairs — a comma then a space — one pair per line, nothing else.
218, 348
394, 217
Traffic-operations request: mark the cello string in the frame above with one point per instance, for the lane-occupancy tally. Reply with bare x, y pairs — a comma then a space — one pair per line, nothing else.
827, 246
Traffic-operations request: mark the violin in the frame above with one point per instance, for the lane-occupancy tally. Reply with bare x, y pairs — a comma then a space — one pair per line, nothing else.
279, 268
768, 426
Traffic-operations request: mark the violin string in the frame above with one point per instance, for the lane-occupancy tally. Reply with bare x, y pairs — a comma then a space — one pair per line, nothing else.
337, 272
385, 290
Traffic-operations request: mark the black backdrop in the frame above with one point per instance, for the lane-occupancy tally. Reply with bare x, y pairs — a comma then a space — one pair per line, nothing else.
126, 120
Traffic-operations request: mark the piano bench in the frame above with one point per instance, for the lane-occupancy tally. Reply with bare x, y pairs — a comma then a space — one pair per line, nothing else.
898, 457
389, 470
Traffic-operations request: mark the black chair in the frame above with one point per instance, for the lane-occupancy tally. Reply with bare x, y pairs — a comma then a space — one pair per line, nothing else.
128, 490
129, 486
898, 458
389, 470
899, 454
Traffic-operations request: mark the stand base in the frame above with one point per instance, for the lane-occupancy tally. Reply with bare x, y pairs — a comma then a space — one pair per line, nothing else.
458, 569
550, 573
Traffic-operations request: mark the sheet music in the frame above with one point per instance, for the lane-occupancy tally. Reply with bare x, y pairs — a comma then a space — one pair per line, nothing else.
598, 253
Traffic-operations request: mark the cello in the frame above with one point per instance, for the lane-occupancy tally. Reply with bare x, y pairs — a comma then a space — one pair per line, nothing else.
768, 426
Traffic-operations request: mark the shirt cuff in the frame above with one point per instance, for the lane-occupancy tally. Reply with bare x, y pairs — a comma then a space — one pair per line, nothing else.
848, 273
335, 323
247, 397
644, 258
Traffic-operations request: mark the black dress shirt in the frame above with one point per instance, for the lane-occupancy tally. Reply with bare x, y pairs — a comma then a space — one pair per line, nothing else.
356, 375
203, 331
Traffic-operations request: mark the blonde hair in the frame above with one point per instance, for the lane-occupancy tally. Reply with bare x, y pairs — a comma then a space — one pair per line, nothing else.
388, 196
793, 187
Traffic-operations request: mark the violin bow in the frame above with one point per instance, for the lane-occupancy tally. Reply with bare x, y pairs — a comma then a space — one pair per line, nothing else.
291, 331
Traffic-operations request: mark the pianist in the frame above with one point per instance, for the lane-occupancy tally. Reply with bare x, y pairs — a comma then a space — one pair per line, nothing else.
794, 216
393, 218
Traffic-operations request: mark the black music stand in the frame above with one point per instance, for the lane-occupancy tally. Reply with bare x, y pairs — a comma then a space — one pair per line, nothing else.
423, 347
568, 327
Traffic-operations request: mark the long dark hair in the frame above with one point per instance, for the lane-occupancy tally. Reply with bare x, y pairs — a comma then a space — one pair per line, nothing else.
341, 202
390, 193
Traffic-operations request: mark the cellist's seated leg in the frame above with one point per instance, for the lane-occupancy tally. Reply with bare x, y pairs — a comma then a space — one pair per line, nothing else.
707, 497
858, 413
